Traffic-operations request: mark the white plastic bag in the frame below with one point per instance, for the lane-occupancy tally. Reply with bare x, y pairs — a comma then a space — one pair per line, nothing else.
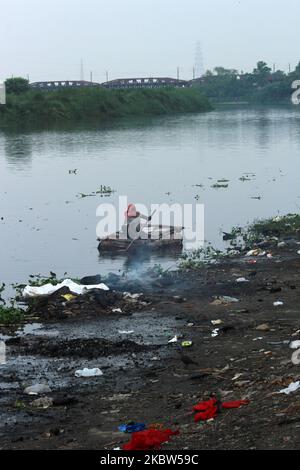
49, 289
88, 373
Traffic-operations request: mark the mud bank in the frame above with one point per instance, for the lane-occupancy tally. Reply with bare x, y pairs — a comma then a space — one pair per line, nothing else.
240, 349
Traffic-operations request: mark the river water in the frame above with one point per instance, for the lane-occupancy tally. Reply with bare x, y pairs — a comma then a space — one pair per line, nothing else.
47, 226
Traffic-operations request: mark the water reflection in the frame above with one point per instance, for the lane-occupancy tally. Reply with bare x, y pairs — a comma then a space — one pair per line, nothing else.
46, 226
18, 150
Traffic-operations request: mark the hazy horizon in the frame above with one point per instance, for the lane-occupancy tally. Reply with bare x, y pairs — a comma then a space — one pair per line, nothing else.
139, 38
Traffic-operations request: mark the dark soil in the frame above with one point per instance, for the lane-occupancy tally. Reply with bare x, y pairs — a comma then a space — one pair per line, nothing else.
155, 385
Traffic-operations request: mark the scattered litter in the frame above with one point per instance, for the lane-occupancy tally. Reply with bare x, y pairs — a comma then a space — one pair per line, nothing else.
296, 358
237, 376
152, 439
89, 373
264, 327
219, 186
130, 428
258, 339
37, 389
69, 297
210, 409
117, 310
241, 280
49, 289
187, 344
43, 403
253, 252
224, 300
215, 333
279, 303
127, 295
216, 322
281, 245
293, 387
126, 332
174, 340
295, 344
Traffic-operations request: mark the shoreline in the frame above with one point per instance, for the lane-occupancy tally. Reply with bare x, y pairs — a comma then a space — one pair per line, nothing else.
144, 377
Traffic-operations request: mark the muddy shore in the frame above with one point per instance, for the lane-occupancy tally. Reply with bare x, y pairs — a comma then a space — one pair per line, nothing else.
144, 377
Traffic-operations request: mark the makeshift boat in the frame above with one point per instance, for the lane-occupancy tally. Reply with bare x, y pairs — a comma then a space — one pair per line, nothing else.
154, 238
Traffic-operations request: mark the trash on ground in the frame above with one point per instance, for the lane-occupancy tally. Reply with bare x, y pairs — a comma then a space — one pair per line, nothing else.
173, 340
216, 322
42, 403
130, 428
49, 289
129, 296
281, 245
237, 376
295, 344
224, 300
215, 333
152, 439
187, 344
207, 410
256, 252
296, 358
293, 387
69, 297
117, 310
264, 327
240, 280
279, 303
89, 373
129, 332
37, 389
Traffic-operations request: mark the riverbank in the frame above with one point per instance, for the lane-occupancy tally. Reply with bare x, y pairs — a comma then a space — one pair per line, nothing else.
240, 314
38, 108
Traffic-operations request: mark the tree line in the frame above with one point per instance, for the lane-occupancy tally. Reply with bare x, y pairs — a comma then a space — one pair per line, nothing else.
263, 85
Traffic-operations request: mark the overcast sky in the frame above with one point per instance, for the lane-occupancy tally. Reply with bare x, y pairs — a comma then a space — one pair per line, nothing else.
47, 39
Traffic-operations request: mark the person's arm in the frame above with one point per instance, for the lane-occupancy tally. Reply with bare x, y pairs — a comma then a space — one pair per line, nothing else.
145, 217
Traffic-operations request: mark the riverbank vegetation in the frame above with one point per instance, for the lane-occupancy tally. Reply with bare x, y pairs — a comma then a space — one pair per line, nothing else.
262, 86
33, 107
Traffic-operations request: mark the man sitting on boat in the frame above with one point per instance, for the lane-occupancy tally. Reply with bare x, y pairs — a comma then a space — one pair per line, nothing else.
132, 224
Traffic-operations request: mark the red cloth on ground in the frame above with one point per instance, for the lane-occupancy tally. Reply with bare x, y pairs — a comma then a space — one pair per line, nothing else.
149, 439
209, 409
235, 404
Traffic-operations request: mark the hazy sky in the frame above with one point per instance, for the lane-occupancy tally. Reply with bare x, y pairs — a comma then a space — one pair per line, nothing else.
47, 39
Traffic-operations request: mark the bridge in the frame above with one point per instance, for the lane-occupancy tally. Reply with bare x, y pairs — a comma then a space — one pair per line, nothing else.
150, 82
120, 83
55, 85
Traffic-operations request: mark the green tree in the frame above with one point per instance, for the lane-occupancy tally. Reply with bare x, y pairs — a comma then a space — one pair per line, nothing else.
225, 72
17, 85
262, 72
